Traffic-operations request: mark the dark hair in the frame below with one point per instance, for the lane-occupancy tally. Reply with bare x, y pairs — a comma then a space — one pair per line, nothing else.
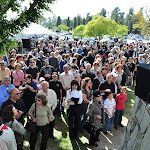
42, 98
1, 122
7, 113
75, 82
29, 76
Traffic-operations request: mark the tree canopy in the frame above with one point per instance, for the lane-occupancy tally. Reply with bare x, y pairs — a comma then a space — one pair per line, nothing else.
10, 27
78, 31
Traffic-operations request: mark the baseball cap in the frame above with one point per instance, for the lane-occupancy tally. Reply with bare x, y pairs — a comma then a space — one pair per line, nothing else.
54, 74
97, 93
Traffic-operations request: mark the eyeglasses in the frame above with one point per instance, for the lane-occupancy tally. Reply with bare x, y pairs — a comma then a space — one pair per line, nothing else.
32, 62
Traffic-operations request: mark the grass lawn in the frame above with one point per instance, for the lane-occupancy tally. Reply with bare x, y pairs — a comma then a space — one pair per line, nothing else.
61, 132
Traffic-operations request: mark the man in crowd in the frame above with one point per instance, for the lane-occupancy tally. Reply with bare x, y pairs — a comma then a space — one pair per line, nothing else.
88, 72
53, 61
18, 103
4, 71
46, 71
5, 89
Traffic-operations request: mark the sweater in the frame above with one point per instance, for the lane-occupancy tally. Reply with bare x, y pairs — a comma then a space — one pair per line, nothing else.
42, 114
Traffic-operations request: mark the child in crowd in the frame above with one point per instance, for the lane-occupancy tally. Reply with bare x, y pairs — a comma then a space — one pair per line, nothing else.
120, 100
109, 109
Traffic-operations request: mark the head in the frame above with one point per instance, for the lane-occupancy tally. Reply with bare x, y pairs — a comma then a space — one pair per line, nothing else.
32, 62
86, 82
14, 94
96, 64
140, 57
6, 81
99, 73
41, 80
109, 77
53, 54
123, 90
110, 95
45, 86
66, 68
17, 67
54, 76
88, 67
9, 113
97, 96
41, 53
78, 77
41, 99
119, 68
46, 62
28, 78
2, 65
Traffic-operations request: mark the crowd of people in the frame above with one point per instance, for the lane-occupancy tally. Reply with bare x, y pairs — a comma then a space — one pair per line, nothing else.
88, 79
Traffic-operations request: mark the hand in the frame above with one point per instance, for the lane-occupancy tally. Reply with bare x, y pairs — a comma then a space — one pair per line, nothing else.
26, 86
69, 100
99, 117
34, 120
107, 90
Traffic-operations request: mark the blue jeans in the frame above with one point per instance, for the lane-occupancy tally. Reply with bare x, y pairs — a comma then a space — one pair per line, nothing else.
118, 117
108, 122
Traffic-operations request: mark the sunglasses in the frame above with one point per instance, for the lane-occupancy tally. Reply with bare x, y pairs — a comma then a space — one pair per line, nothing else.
32, 62
38, 100
17, 93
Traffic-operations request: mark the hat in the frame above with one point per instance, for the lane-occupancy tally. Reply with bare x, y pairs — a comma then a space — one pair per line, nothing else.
97, 93
54, 74
41, 79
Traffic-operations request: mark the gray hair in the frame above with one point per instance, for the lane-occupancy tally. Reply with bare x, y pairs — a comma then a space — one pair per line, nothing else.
88, 64
45, 82
65, 66
6, 78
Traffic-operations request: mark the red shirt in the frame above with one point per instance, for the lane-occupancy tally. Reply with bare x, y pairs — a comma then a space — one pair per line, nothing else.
120, 100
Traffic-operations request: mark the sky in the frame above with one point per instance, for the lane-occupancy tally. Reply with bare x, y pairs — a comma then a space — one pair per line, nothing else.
72, 8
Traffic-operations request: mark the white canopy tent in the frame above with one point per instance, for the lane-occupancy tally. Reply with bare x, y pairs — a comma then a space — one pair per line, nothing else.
34, 30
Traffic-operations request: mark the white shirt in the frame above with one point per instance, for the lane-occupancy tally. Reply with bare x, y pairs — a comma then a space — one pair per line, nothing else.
109, 104
75, 94
51, 97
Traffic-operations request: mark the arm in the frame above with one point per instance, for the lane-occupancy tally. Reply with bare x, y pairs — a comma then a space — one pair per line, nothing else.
85, 98
31, 88
54, 101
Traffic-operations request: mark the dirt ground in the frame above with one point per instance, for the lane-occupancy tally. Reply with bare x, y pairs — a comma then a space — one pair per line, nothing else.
112, 141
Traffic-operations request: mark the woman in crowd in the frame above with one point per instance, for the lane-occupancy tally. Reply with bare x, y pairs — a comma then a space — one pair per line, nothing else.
121, 76
87, 97
9, 118
43, 117
136, 62
29, 89
18, 76
95, 116
74, 99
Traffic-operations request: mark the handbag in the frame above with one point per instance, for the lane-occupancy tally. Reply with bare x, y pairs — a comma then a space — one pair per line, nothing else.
30, 125
18, 137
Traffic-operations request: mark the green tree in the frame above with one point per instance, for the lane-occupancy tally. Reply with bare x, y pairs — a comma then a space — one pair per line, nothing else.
68, 22
83, 21
117, 16
122, 30
128, 19
78, 31
58, 21
100, 26
62, 27
10, 27
78, 20
103, 12
88, 18
75, 22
